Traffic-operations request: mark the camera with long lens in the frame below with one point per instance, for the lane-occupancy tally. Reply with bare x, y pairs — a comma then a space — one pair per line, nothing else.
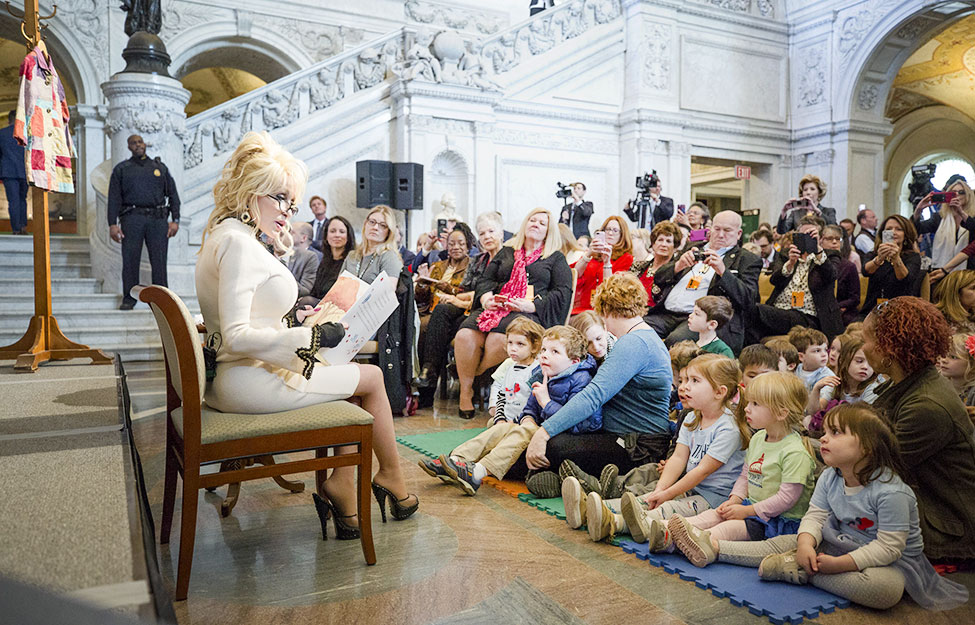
643, 185
647, 181
920, 184
564, 191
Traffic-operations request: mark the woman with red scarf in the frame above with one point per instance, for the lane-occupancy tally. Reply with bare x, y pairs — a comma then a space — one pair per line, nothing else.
528, 277
605, 256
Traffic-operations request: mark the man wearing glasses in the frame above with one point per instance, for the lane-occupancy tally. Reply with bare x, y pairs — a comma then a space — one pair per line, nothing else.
143, 206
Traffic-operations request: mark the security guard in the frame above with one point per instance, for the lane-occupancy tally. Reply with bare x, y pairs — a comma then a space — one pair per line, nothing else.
141, 195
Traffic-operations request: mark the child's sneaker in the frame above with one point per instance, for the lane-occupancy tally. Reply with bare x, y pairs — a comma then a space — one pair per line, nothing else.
433, 468
601, 522
461, 475
571, 469
544, 484
610, 484
783, 567
575, 503
694, 543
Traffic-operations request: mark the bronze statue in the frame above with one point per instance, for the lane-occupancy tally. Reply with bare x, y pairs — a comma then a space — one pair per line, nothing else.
144, 15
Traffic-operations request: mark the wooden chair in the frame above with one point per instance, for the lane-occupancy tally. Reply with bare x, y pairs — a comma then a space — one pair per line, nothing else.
197, 436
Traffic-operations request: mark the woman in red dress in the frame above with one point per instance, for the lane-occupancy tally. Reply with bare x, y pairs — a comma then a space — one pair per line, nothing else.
607, 254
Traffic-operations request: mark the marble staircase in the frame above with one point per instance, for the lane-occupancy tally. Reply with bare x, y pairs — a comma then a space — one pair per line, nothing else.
85, 313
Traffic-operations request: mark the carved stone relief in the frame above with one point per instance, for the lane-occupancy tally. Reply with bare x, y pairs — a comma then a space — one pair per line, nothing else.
460, 19
852, 30
812, 77
656, 56
821, 157
554, 141
88, 21
867, 99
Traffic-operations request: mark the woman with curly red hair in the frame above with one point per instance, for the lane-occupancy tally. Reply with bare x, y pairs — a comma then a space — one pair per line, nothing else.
903, 338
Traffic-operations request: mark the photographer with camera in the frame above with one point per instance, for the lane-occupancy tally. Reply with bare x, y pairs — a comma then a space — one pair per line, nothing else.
650, 207
719, 267
811, 192
803, 288
894, 269
953, 225
576, 213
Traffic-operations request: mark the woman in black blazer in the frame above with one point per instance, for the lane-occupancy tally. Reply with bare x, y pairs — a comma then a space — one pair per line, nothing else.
893, 269
543, 293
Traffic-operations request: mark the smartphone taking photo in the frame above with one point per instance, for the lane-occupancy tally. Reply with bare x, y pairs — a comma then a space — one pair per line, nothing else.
698, 235
943, 197
887, 236
805, 243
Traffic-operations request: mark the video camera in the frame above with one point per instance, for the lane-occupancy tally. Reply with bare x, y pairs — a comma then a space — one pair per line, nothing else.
920, 184
564, 192
647, 181
643, 184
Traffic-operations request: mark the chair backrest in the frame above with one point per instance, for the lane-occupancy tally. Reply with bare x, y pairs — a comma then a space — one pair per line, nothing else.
572, 300
181, 345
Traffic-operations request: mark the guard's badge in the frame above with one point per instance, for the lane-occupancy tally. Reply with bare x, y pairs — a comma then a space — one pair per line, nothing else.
655, 290
156, 173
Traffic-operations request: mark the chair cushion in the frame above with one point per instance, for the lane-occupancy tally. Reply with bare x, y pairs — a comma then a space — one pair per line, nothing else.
217, 427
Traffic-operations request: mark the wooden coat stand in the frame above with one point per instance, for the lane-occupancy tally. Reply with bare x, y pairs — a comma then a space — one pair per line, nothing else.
43, 340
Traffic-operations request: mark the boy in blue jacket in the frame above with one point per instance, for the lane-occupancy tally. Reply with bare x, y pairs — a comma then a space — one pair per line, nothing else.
565, 369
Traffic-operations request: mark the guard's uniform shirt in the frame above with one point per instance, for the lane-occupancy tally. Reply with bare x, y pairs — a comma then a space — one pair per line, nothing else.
144, 183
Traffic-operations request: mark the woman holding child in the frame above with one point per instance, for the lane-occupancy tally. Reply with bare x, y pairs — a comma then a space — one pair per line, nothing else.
632, 389
264, 358
528, 277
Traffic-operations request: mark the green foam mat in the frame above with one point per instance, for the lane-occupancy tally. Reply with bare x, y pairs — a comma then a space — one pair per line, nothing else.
553, 506
433, 444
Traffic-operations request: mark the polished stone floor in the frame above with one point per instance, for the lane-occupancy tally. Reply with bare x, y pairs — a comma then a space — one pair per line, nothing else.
487, 559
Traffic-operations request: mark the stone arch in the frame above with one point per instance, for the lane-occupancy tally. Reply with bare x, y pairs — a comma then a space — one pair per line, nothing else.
264, 53
865, 71
449, 172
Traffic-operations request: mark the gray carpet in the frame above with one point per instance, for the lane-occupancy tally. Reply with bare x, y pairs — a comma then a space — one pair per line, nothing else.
55, 371
38, 405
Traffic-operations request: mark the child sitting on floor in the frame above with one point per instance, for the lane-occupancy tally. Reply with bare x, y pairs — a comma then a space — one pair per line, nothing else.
856, 381
710, 313
755, 360
710, 447
860, 538
510, 388
958, 366
813, 355
787, 353
776, 480
591, 326
565, 368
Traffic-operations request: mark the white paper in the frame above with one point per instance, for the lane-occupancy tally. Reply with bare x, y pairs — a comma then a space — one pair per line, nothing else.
363, 319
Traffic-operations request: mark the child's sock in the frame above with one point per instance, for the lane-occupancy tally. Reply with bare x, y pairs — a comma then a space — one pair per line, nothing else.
479, 471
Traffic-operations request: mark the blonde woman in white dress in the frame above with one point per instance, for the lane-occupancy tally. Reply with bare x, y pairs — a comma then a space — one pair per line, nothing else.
265, 360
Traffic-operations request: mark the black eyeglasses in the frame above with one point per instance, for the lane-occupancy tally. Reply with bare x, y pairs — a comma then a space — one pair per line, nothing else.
285, 205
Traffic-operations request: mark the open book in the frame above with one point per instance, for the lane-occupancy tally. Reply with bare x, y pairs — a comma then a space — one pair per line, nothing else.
361, 307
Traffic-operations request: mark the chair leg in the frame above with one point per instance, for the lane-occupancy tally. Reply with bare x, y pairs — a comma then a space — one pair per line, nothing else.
228, 503
293, 485
365, 497
187, 532
169, 495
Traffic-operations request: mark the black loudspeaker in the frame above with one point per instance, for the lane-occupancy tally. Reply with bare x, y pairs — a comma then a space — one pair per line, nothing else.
374, 183
408, 186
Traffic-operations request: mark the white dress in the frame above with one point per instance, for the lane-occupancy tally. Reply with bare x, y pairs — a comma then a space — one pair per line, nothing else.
262, 364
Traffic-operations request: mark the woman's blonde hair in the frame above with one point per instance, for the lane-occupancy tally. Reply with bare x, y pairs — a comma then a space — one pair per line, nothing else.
389, 244
585, 320
947, 296
945, 211
816, 180
259, 166
553, 240
959, 350
625, 244
621, 295
569, 241
641, 236
720, 371
780, 391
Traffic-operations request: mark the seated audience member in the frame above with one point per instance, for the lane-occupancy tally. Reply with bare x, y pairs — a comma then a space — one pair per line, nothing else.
433, 247
591, 326
642, 255
855, 380
447, 276
903, 340
752, 247
497, 449
772, 491
766, 247
662, 242
894, 269
708, 458
450, 312
848, 226
813, 355
958, 367
871, 564
837, 246
583, 241
377, 252
528, 277
953, 224
303, 262
571, 248
804, 291
710, 313
755, 360
786, 352
696, 217
604, 257
339, 241
865, 239
632, 388
565, 368
319, 210
813, 189
955, 297
720, 267
406, 254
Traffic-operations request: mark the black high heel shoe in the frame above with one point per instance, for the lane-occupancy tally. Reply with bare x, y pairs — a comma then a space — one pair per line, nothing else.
326, 509
398, 511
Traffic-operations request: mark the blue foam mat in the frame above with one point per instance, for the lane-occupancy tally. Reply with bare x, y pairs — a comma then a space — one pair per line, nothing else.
779, 601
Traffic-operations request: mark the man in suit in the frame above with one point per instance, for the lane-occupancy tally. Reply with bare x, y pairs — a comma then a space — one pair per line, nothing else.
657, 209
576, 213
303, 264
13, 173
319, 208
723, 268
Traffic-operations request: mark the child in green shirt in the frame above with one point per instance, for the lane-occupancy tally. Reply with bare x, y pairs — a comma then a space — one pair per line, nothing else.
710, 313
